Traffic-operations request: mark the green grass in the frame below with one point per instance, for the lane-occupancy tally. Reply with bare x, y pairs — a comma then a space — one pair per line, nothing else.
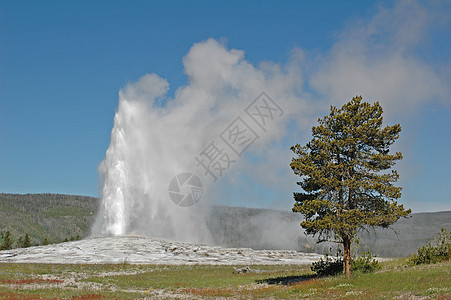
196, 276
199, 281
423, 280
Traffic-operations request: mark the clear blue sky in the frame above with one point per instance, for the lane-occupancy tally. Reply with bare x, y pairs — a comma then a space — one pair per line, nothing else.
62, 64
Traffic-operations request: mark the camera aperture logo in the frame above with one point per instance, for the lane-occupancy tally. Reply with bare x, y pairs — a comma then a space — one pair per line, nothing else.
185, 189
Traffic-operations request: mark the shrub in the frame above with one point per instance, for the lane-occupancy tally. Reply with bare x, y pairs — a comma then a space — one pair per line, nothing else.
434, 252
365, 263
328, 266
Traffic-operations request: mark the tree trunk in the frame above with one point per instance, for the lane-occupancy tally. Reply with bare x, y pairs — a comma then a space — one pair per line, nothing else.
347, 254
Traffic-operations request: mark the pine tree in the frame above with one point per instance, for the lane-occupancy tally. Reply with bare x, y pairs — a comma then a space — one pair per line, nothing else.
7, 242
345, 175
26, 242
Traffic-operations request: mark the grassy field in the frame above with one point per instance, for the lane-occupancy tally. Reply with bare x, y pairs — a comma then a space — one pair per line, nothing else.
396, 280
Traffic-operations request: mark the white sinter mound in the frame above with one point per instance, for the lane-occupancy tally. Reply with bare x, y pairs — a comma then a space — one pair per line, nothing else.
144, 250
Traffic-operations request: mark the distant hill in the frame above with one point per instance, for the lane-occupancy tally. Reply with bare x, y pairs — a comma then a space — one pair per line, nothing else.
408, 234
271, 229
46, 216
56, 217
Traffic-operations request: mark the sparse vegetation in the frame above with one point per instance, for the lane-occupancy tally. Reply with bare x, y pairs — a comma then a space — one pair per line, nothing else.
434, 252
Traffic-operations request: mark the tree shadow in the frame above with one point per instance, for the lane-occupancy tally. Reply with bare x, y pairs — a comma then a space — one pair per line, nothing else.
287, 280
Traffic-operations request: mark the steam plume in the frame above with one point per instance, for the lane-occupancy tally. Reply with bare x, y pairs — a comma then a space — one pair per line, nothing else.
155, 138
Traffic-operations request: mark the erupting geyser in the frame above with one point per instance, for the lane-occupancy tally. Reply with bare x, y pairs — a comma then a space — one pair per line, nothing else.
155, 138
138, 167
114, 171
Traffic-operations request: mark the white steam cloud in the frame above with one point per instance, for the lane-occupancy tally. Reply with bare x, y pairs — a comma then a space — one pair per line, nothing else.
378, 59
156, 137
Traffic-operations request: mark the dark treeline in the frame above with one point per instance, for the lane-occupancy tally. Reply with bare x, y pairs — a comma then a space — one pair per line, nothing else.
8, 241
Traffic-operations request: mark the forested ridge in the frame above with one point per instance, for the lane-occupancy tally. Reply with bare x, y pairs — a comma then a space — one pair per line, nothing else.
51, 217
